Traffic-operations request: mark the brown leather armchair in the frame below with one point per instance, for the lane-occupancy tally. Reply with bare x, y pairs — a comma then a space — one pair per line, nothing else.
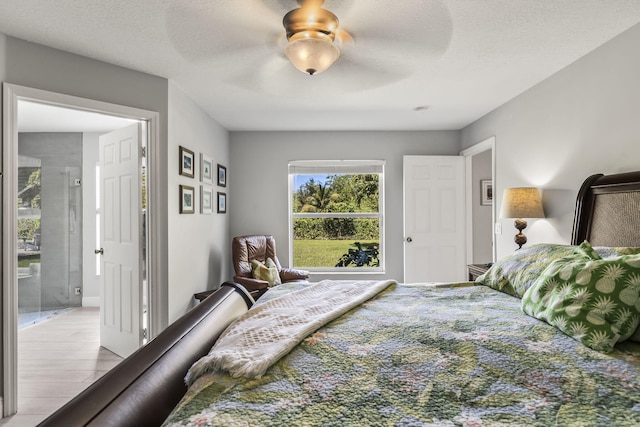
247, 248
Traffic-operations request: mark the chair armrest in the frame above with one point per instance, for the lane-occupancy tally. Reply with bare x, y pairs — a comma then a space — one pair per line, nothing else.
288, 274
255, 287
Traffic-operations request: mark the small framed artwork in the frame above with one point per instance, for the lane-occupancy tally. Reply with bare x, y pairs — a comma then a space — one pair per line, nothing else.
222, 176
206, 200
206, 169
187, 198
486, 192
187, 165
222, 202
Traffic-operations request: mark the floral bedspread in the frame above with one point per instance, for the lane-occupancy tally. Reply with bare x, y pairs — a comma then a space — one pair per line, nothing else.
420, 355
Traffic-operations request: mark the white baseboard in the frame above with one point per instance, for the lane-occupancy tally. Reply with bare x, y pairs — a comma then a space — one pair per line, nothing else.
91, 301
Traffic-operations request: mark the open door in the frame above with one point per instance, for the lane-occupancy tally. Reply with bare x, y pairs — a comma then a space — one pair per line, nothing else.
434, 219
120, 232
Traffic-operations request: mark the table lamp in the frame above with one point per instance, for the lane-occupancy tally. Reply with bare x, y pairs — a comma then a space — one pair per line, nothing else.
521, 202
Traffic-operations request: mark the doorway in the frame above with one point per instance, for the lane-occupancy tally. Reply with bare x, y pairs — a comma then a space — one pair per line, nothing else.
71, 215
480, 182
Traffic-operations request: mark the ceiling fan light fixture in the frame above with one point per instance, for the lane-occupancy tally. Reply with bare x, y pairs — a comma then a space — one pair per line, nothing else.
311, 32
311, 55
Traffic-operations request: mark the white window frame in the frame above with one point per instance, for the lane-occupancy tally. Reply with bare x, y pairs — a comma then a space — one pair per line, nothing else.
329, 167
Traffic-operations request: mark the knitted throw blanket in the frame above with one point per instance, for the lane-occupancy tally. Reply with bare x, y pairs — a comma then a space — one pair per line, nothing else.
260, 337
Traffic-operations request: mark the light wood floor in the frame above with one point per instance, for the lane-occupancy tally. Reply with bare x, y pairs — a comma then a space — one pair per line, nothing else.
57, 359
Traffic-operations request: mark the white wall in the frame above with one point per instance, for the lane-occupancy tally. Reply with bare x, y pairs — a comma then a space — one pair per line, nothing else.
581, 121
199, 245
259, 179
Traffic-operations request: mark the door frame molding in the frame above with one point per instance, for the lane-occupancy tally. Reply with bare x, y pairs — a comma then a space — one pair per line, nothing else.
8, 252
480, 147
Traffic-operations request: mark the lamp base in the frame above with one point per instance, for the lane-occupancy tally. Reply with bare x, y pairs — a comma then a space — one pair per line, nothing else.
520, 238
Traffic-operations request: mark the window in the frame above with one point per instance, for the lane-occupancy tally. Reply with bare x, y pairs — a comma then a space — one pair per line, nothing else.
336, 221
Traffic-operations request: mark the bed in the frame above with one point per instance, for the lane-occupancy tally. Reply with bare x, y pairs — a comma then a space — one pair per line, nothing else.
407, 354
457, 353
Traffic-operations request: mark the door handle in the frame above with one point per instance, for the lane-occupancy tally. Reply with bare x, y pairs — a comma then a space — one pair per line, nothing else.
99, 251
409, 240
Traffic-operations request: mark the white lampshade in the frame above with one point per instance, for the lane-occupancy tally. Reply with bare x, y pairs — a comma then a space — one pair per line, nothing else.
521, 202
311, 55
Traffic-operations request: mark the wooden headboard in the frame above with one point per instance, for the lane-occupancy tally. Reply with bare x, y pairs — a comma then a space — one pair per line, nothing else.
608, 211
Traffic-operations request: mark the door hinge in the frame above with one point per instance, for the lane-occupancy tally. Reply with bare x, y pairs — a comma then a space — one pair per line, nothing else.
144, 333
144, 152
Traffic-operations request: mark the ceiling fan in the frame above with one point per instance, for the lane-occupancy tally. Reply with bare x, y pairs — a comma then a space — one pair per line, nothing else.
311, 32
250, 44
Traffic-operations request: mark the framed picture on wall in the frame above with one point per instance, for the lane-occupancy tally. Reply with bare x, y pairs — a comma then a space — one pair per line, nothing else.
486, 192
187, 199
206, 169
206, 200
222, 202
222, 176
187, 166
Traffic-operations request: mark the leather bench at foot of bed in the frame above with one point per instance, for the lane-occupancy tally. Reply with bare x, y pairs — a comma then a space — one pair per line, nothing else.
144, 388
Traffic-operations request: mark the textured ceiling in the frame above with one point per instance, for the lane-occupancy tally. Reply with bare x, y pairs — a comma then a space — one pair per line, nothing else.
461, 58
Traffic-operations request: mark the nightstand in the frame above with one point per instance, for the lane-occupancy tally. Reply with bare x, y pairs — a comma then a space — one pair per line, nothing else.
475, 270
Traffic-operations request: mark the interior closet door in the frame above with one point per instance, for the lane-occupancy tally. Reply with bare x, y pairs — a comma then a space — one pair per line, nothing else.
434, 219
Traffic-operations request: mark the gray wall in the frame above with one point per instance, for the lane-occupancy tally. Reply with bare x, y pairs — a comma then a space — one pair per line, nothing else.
482, 222
41, 67
199, 257
28, 64
581, 121
199, 250
258, 179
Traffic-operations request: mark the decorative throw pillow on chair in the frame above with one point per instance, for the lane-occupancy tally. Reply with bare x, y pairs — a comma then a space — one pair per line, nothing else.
267, 271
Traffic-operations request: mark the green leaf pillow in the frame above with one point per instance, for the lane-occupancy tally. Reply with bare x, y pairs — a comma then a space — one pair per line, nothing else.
514, 274
267, 271
595, 301
606, 252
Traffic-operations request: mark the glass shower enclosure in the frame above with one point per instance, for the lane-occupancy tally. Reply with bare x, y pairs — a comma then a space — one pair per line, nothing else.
49, 228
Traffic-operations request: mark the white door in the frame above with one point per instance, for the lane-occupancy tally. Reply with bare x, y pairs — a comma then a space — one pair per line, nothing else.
120, 232
434, 219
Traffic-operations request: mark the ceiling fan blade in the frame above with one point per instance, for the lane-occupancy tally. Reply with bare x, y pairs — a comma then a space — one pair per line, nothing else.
394, 29
352, 73
343, 38
196, 29
276, 76
272, 74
